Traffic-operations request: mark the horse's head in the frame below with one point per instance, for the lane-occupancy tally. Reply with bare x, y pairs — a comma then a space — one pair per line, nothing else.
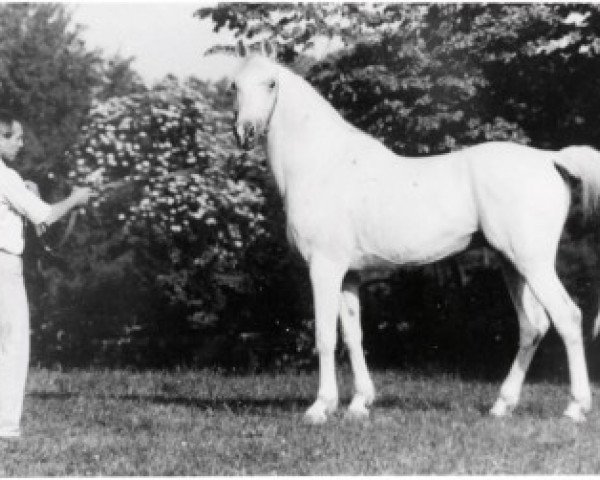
255, 88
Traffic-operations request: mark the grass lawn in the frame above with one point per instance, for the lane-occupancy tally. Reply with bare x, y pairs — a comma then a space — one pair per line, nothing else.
204, 423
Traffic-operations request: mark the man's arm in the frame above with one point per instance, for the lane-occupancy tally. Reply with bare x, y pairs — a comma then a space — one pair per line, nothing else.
79, 196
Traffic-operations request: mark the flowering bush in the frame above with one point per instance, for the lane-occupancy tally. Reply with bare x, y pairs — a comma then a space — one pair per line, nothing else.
192, 199
187, 257
174, 149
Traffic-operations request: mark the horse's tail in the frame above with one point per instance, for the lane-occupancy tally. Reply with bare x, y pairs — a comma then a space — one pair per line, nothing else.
584, 163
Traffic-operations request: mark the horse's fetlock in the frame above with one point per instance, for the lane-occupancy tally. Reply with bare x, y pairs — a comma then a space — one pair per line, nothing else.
330, 403
531, 339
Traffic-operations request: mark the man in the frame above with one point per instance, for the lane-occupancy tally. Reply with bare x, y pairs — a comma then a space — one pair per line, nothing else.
18, 202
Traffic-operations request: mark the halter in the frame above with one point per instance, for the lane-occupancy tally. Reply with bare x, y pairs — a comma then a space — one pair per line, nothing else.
270, 115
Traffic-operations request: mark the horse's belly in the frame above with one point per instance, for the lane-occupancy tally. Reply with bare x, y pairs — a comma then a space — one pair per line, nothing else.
388, 251
413, 231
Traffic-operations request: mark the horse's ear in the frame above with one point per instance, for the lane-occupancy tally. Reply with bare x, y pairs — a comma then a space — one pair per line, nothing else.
269, 49
241, 49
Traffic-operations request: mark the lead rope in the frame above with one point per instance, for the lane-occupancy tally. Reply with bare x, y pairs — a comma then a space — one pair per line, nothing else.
102, 188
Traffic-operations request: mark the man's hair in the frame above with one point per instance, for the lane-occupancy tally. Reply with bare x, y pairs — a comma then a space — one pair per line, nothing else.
7, 117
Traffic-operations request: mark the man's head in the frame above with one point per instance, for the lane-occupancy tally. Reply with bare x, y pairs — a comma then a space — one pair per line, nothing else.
11, 136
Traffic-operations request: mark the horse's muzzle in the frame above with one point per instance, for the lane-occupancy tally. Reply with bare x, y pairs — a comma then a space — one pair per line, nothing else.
246, 135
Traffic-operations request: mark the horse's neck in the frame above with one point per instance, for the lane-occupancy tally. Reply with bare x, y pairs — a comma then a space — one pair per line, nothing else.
304, 134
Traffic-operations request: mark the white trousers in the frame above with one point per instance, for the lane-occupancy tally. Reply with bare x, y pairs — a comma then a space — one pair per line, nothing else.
14, 341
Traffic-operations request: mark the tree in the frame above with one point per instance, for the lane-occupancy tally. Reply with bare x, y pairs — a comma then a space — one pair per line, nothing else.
120, 78
47, 77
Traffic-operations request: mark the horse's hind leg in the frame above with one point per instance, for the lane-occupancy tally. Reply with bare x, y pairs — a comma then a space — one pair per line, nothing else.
352, 334
533, 325
566, 317
326, 279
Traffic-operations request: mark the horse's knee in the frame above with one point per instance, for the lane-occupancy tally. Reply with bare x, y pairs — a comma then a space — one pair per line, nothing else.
530, 337
533, 326
542, 324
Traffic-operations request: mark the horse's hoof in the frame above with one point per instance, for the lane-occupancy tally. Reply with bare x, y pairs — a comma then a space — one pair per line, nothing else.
575, 412
501, 408
313, 417
357, 410
357, 413
317, 413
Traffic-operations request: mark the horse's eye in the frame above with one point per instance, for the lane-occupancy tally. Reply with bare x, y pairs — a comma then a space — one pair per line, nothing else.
233, 87
272, 84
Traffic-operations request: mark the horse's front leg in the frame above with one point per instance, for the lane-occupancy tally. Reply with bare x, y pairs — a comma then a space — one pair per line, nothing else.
352, 332
326, 279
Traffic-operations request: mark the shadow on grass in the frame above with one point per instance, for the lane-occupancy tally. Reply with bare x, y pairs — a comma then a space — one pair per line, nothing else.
233, 404
243, 404
410, 404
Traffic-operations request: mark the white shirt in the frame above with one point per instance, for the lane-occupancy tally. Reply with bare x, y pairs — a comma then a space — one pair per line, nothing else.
16, 202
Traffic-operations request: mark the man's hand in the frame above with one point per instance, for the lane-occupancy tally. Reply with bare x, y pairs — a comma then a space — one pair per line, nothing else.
82, 195
32, 186
94, 179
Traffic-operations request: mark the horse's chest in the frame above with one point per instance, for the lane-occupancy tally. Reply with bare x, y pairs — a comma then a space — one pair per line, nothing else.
318, 222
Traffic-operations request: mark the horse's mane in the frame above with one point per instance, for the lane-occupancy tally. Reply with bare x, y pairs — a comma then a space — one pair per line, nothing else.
307, 96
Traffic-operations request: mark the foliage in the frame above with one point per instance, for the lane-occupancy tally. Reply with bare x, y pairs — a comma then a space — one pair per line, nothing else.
174, 149
546, 85
172, 265
301, 24
47, 77
411, 99
120, 78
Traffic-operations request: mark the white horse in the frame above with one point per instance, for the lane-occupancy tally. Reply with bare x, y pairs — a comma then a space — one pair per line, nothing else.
352, 204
